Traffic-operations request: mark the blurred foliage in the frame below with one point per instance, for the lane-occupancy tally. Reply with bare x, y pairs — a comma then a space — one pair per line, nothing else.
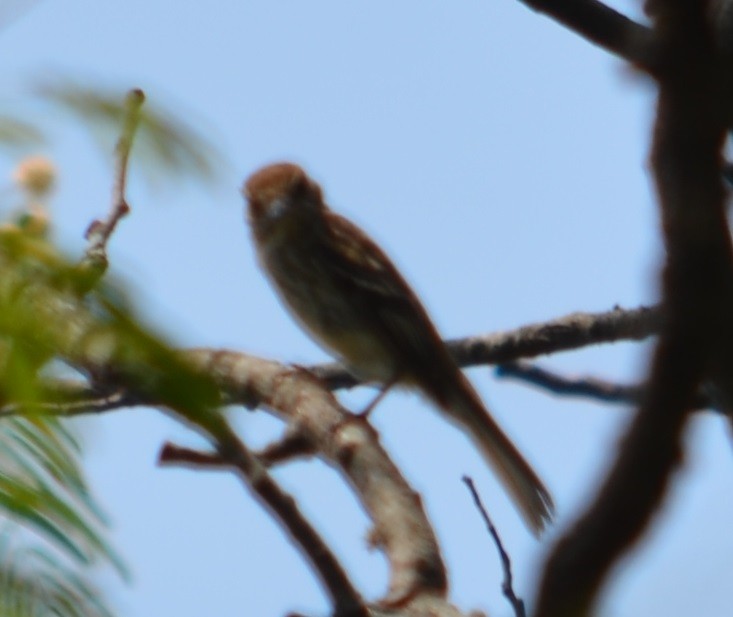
165, 146
51, 519
51, 529
42, 487
47, 311
36, 583
15, 132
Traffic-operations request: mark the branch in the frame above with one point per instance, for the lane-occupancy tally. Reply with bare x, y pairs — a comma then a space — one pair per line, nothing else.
94, 264
506, 563
590, 387
116, 352
233, 453
119, 356
171, 454
351, 445
602, 26
697, 291
73, 398
417, 578
347, 442
68, 399
180, 455
126, 364
565, 333
562, 334
292, 445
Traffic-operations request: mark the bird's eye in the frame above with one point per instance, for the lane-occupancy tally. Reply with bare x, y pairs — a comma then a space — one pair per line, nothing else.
277, 207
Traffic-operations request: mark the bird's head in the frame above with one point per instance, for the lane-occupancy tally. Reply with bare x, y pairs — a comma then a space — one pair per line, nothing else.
280, 196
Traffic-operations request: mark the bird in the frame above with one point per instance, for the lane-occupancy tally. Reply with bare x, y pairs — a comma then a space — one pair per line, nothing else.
352, 300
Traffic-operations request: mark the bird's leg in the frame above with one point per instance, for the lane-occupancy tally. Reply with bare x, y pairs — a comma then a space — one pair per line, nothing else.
383, 390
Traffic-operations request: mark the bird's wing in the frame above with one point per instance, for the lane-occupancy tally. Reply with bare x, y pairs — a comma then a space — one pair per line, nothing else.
390, 308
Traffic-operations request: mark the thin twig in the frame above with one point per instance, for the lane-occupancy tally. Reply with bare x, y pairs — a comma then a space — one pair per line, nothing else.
94, 264
278, 452
172, 454
74, 398
233, 453
588, 387
506, 563
292, 445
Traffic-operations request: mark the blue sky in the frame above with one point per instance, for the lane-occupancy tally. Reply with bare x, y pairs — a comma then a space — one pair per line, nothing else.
500, 160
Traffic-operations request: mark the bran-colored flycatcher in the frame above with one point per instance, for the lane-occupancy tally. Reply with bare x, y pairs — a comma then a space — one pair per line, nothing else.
352, 300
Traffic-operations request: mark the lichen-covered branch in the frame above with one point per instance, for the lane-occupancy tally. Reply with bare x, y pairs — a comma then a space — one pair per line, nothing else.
566, 333
351, 445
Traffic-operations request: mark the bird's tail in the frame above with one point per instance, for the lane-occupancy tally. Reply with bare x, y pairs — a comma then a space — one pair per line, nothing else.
528, 492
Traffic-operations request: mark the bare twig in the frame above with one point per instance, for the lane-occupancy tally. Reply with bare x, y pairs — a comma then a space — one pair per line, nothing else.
232, 453
506, 563
589, 387
602, 26
278, 452
67, 398
171, 454
292, 445
94, 263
